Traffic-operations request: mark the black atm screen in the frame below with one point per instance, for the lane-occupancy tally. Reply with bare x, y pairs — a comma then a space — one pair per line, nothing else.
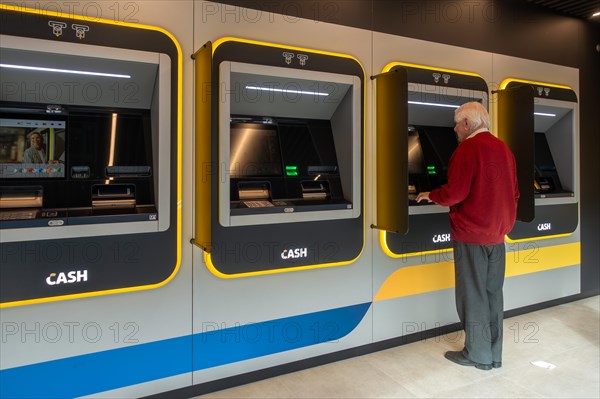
543, 156
429, 151
546, 175
442, 142
254, 150
416, 162
101, 140
279, 162
308, 148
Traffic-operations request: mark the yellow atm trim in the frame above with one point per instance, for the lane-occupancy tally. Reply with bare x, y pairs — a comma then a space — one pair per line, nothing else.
389, 67
202, 134
419, 279
537, 238
207, 256
211, 267
179, 167
506, 81
222, 40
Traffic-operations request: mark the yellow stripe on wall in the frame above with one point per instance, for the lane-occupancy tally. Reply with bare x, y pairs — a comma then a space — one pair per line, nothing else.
437, 276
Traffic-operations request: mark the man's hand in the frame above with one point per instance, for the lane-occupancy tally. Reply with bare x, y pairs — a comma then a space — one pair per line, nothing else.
423, 196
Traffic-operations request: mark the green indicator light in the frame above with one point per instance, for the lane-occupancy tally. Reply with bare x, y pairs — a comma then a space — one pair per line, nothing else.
431, 170
291, 170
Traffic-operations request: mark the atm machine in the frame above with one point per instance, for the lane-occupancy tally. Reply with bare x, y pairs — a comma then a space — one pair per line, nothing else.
282, 130
89, 140
426, 135
545, 115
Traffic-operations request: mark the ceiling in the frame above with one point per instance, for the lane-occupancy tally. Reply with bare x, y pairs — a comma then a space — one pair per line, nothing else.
575, 8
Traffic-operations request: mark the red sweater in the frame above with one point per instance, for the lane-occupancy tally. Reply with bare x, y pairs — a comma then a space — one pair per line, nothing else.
482, 190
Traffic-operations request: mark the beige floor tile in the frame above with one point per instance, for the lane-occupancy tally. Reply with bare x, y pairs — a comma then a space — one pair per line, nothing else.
352, 378
491, 387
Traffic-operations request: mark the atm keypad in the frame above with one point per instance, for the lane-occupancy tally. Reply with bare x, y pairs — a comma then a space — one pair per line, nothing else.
257, 204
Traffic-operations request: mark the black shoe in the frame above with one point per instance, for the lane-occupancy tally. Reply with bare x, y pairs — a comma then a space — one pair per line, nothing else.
458, 358
496, 365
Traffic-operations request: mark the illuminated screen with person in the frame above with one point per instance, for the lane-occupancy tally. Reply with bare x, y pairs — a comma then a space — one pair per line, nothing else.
32, 148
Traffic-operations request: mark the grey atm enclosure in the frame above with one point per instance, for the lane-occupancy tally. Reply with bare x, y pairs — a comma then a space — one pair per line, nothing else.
88, 159
286, 132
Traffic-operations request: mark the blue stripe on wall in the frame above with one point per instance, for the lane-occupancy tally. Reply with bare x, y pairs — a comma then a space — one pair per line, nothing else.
117, 368
218, 347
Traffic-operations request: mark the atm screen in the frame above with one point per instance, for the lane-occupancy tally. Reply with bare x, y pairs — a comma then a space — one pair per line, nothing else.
308, 147
254, 150
543, 156
443, 142
102, 141
416, 162
32, 148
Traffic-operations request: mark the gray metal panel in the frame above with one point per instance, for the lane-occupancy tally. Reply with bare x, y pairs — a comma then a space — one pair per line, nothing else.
413, 314
18, 85
530, 289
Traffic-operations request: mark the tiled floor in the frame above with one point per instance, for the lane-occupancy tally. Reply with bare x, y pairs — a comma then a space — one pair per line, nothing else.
566, 336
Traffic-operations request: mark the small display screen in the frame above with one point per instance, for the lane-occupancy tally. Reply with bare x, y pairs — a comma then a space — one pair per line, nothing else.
416, 163
32, 148
254, 151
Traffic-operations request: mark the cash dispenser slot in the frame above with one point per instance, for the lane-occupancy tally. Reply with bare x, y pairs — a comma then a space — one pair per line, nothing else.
544, 184
20, 203
128, 171
113, 196
315, 190
255, 194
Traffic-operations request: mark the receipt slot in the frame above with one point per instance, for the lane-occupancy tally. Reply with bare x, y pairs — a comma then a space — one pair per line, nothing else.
539, 123
285, 130
89, 144
415, 140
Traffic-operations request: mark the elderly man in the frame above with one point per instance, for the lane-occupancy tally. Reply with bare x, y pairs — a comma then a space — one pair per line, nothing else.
36, 151
482, 194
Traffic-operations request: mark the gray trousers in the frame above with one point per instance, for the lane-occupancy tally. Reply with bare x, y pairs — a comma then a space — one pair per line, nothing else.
479, 276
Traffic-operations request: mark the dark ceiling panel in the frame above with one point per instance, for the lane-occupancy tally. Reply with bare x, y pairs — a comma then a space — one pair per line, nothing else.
576, 8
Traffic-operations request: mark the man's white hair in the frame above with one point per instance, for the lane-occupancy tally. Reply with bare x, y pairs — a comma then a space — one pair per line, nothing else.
474, 113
